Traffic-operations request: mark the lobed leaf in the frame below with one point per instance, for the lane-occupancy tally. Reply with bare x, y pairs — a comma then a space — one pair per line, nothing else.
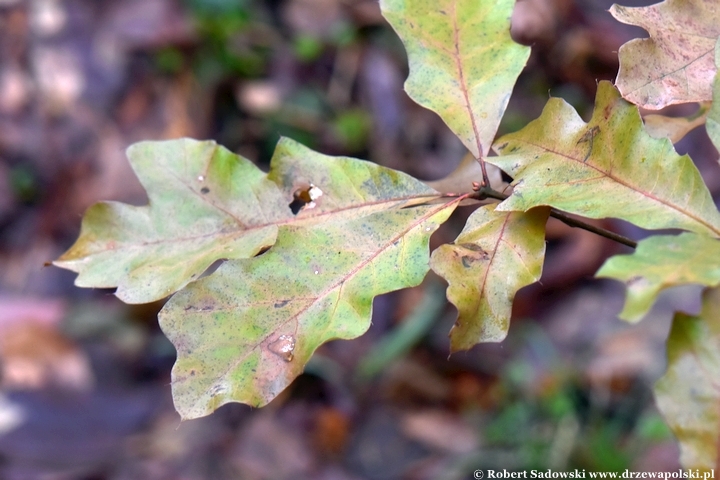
676, 64
609, 167
661, 262
495, 255
688, 394
245, 332
206, 204
463, 63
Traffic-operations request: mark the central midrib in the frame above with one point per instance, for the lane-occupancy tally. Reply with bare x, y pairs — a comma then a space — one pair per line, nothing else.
630, 187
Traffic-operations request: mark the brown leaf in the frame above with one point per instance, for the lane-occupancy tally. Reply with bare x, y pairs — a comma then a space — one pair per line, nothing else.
677, 63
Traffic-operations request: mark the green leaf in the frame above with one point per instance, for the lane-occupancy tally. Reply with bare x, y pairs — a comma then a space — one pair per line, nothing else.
609, 167
463, 63
676, 64
713, 119
495, 255
661, 262
246, 331
688, 394
207, 203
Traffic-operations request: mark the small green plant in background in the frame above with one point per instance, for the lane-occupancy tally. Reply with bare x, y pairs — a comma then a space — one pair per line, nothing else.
308, 245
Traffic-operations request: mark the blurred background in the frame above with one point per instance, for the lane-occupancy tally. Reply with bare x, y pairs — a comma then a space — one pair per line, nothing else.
84, 379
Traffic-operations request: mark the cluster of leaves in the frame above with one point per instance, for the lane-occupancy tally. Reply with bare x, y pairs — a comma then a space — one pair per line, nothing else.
307, 246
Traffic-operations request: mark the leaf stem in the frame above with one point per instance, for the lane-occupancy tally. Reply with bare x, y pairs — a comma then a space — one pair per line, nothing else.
485, 177
485, 192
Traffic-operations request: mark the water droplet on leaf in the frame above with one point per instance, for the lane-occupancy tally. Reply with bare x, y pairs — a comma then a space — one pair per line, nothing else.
283, 347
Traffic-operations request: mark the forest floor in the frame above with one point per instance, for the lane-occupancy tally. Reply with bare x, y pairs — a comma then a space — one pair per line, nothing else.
84, 385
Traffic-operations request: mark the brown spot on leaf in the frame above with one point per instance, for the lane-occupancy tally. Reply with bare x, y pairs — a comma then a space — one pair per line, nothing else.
473, 246
205, 306
607, 111
473, 253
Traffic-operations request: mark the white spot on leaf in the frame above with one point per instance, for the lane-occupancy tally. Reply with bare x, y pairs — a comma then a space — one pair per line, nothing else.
314, 193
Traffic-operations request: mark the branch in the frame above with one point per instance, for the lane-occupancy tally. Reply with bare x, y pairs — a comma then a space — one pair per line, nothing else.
484, 192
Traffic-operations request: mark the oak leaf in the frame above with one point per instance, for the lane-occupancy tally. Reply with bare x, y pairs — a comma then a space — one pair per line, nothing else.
495, 255
688, 393
676, 64
463, 63
245, 332
660, 262
608, 167
207, 204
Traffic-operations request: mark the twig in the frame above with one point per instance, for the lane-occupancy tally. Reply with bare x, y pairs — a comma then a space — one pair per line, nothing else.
573, 222
484, 192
